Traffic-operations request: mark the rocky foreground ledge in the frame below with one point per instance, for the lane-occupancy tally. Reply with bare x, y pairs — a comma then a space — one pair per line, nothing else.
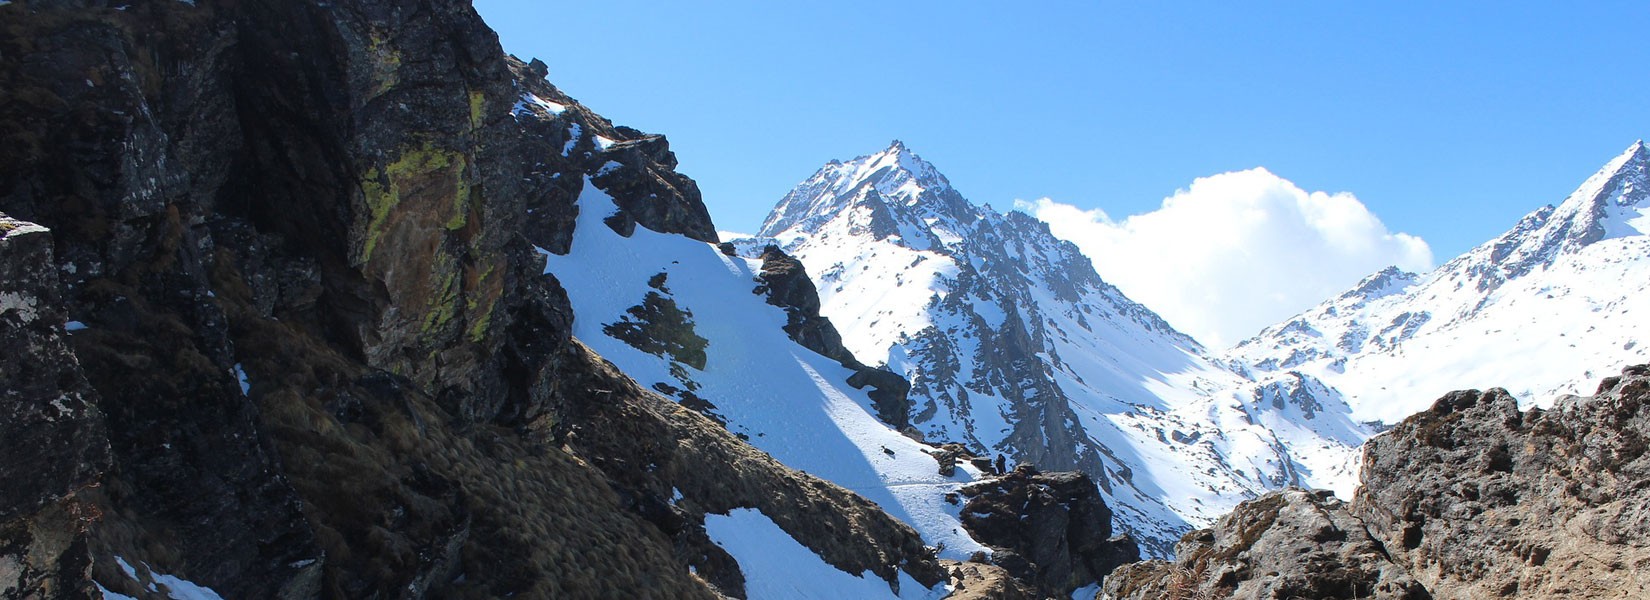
1470, 499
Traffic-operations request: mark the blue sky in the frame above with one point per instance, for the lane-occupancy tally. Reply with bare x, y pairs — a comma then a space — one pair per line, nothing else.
1448, 120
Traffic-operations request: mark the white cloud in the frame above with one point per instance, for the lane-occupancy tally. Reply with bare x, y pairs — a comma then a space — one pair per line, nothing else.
1236, 252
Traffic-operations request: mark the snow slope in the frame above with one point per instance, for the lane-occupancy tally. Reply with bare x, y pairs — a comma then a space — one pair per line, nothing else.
158, 583
776, 566
1545, 309
1015, 345
783, 398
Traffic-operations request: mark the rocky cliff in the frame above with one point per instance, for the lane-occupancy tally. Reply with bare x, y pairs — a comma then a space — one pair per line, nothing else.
313, 350
785, 282
1470, 499
55, 447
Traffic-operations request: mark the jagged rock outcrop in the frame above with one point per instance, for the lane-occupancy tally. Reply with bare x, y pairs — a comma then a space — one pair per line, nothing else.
786, 283
306, 244
1051, 530
1288, 544
54, 447
643, 179
654, 447
1481, 500
1471, 499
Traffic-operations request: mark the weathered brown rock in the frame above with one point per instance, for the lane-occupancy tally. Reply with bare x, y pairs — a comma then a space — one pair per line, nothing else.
1470, 499
1288, 544
1481, 500
983, 581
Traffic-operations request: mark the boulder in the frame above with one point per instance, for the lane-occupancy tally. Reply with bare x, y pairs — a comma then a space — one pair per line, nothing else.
1293, 543
1050, 530
1481, 500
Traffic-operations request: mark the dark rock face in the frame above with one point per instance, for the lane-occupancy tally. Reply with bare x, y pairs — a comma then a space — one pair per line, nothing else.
54, 443
49, 417
1480, 500
1288, 544
1051, 530
124, 171
649, 190
785, 282
302, 239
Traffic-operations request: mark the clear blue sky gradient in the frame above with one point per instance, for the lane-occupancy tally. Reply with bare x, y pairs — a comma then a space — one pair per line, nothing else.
1450, 120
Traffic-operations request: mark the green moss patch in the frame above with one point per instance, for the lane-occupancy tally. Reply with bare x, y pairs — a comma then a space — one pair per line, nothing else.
419, 170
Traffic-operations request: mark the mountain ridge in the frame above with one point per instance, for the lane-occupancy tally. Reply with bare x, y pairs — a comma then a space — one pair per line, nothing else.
309, 300
1563, 272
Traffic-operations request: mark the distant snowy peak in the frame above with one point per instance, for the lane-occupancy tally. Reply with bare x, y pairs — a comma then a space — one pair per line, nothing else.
1532, 310
1387, 282
897, 198
894, 177
1610, 204
1613, 202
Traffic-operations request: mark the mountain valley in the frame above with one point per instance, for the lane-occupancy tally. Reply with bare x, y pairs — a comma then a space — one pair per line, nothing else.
340, 300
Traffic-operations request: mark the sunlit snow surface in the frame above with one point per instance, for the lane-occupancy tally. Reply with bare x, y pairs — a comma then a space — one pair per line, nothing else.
777, 567
1546, 309
528, 100
174, 587
789, 401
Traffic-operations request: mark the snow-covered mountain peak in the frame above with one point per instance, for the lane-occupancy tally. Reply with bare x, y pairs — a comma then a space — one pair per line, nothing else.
1610, 204
1597, 206
895, 176
1388, 281
923, 171
1532, 310
1615, 197
1014, 345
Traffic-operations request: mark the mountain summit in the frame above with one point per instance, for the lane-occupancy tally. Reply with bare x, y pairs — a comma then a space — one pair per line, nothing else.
1610, 204
1014, 345
896, 176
